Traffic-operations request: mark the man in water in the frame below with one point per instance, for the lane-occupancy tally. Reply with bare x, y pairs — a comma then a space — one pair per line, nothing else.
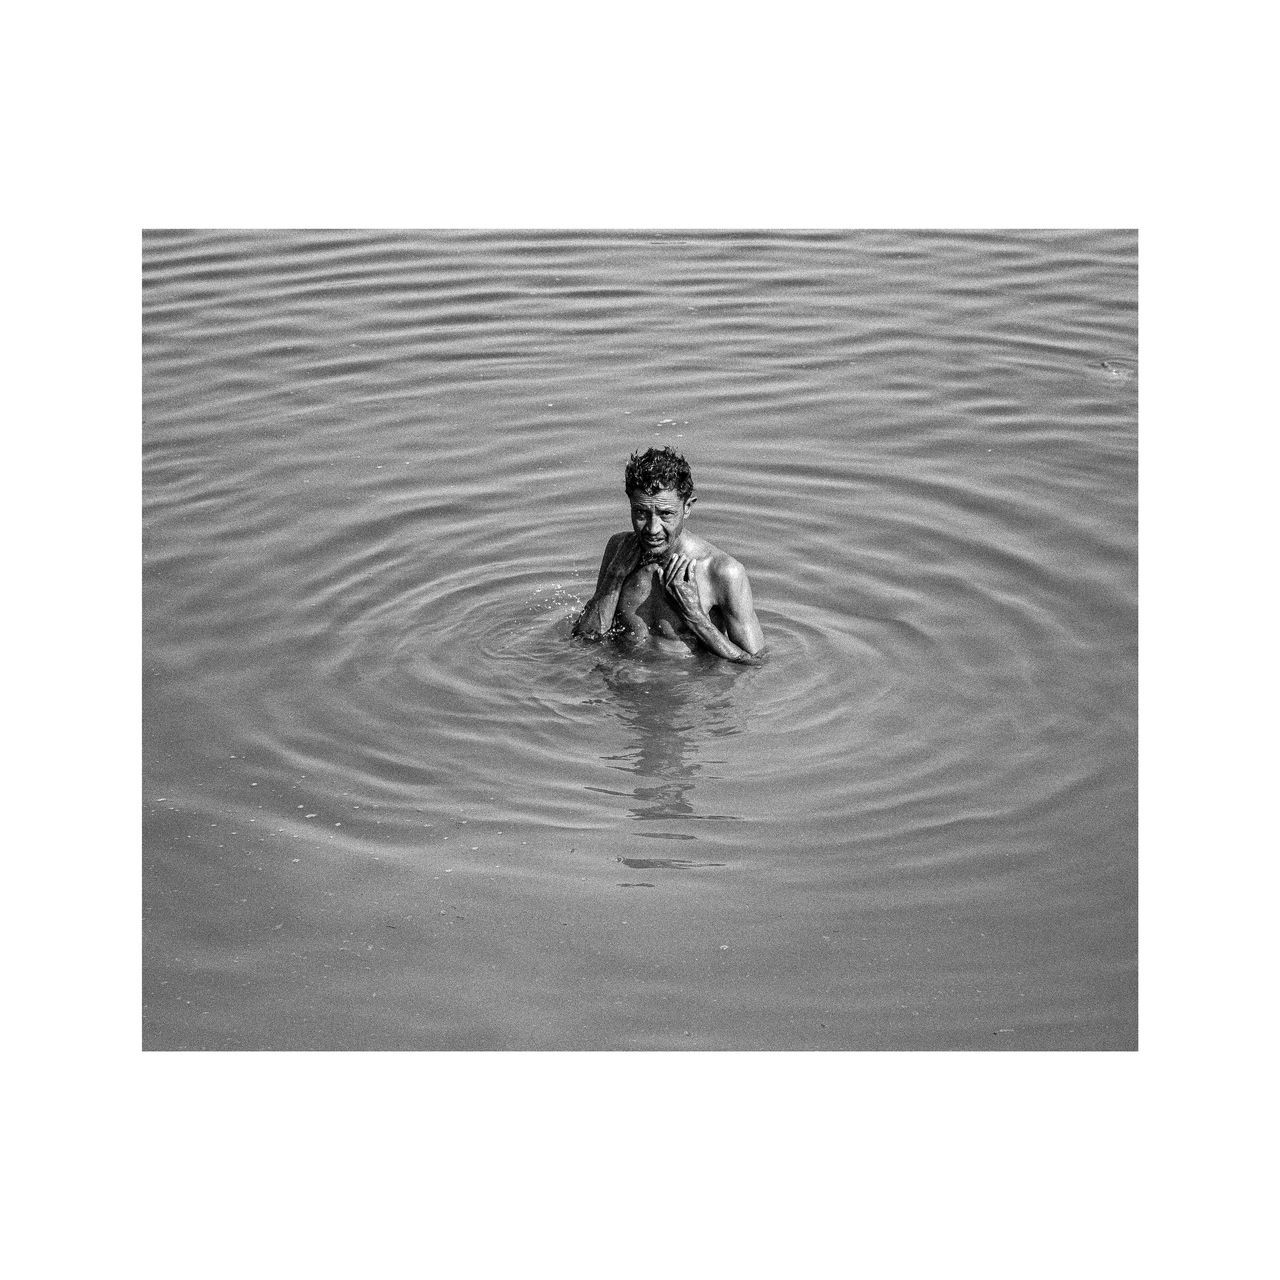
660, 580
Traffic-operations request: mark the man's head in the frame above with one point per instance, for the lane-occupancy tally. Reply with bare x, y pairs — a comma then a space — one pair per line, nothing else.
660, 490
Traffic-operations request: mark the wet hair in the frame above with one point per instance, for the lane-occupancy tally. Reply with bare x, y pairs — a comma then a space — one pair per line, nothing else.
657, 469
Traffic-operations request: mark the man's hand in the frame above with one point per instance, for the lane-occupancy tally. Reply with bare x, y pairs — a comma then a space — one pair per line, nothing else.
681, 584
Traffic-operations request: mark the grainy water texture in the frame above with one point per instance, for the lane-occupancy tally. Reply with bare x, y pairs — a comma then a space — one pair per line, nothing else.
390, 803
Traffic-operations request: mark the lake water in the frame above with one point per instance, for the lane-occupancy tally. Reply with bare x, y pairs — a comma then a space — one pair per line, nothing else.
390, 803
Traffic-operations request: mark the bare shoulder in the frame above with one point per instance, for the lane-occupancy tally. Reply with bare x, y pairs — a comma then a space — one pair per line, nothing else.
612, 548
613, 545
724, 566
726, 574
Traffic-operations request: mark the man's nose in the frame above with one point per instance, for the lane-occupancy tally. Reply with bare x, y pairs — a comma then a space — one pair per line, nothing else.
654, 524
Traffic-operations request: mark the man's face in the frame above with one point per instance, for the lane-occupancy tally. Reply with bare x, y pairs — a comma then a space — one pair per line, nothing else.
658, 519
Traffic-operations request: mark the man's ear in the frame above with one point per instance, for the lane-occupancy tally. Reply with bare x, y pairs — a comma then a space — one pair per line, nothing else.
688, 504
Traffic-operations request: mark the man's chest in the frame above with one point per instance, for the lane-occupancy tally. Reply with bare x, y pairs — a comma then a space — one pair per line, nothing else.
644, 599
642, 591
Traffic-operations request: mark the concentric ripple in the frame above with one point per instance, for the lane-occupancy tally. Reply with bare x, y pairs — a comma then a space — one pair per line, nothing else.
379, 471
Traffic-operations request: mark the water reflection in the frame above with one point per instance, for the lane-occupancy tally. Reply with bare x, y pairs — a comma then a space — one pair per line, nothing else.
675, 711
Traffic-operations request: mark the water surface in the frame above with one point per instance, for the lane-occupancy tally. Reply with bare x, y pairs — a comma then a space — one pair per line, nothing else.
388, 802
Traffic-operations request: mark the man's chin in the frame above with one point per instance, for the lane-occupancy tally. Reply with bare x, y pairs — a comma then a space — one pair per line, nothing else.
651, 555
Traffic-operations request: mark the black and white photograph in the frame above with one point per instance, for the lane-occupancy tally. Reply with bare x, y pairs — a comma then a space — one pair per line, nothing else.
640, 640
607, 640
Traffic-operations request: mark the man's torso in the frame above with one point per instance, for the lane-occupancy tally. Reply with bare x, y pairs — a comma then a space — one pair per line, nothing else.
645, 609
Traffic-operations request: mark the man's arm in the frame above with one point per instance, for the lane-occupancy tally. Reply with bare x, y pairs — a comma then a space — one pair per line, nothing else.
738, 608
745, 640
621, 555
